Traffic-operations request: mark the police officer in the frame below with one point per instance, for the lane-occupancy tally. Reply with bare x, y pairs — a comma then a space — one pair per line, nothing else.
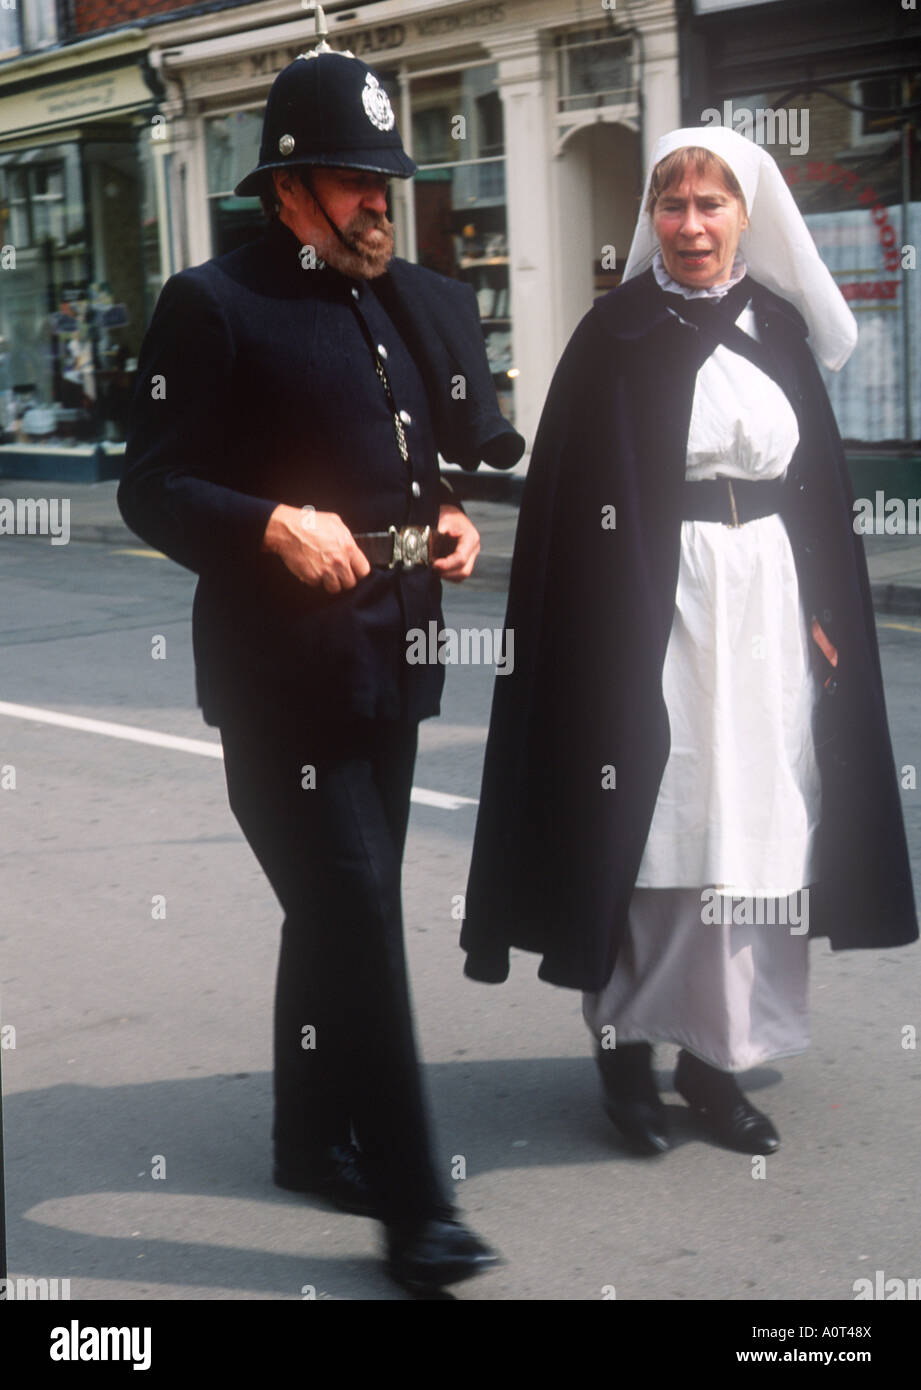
292, 398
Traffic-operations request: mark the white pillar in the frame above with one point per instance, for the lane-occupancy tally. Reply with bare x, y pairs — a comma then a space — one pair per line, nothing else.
573, 179
196, 192
523, 87
661, 85
402, 191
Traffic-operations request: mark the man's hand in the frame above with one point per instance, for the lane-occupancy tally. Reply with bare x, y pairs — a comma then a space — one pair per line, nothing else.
459, 564
317, 547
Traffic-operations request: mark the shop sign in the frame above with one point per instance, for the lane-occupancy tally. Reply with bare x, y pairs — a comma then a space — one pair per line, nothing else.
385, 37
378, 40
59, 103
363, 42
442, 25
826, 171
873, 293
370, 44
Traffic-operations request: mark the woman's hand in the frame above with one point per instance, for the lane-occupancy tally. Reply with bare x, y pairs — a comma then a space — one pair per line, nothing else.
829, 651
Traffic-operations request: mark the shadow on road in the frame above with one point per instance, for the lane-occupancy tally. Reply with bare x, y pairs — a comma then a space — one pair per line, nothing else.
210, 1138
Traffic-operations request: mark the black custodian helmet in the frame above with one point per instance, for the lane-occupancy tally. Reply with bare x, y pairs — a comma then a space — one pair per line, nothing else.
328, 108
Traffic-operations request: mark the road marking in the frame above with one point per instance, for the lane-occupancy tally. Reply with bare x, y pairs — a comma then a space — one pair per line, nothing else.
900, 627
445, 801
154, 554
131, 732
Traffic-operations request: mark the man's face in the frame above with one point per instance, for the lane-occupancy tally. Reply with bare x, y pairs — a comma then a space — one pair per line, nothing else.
356, 201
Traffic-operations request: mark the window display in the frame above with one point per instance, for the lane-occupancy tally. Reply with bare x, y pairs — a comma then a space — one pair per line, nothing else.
72, 315
460, 199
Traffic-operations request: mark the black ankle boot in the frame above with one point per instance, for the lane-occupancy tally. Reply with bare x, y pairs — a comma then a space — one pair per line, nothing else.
631, 1099
716, 1097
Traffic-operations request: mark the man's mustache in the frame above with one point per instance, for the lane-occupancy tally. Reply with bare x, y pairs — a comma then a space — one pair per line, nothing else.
368, 221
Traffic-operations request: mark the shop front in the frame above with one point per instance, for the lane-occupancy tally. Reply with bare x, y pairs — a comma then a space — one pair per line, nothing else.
80, 257
833, 91
526, 120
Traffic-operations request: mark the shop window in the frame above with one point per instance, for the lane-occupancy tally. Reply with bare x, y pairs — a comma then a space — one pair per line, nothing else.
432, 135
847, 170
489, 117
39, 23
594, 69
460, 199
879, 99
72, 316
231, 150
457, 116
37, 204
19, 229
10, 42
27, 25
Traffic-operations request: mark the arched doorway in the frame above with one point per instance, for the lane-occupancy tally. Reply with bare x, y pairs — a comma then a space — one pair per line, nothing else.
599, 186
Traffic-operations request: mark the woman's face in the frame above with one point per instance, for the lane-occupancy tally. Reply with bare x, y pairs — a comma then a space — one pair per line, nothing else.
698, 224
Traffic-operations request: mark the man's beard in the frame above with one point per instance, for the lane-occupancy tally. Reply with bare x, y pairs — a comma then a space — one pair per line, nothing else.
366, 257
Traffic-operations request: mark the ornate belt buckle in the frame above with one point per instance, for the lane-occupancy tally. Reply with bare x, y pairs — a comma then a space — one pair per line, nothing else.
410, 546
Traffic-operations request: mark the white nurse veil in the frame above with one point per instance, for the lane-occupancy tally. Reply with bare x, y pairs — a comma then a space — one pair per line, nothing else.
777, 246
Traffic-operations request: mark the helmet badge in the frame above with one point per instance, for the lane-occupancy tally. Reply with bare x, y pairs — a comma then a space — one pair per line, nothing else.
377, 104
286, 144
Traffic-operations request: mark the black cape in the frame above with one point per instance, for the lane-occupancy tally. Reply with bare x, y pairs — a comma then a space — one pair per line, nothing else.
556, 849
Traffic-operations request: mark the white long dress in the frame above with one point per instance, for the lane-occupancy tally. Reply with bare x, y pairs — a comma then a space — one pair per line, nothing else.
739, 799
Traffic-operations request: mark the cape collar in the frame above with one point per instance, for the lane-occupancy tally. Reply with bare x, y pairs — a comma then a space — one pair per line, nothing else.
640, 305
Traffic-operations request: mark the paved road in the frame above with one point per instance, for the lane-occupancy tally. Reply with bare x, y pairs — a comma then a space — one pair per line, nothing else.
143, 1043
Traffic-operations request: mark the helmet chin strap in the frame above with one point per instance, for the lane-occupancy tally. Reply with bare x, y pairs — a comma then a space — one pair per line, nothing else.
349, 246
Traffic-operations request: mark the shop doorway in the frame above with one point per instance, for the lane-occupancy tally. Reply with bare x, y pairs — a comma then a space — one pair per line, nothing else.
599, 183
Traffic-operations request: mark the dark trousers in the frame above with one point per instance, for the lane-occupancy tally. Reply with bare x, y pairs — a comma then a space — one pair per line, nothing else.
345, 1053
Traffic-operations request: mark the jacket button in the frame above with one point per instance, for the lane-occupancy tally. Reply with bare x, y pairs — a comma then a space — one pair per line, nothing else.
354, 292
382, 351
803, 488
406, 417
831, 685
826, 615
416, 489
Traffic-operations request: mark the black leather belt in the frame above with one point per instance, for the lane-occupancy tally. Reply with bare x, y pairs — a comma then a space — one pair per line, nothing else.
404, 545
733, 501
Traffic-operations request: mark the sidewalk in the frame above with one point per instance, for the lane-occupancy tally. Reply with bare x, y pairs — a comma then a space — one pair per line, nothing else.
492, 500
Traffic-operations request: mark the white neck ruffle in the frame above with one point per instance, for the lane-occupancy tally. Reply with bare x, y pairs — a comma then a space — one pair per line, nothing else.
672, 286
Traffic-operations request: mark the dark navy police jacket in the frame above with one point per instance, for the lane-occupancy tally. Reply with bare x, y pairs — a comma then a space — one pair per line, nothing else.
257, 385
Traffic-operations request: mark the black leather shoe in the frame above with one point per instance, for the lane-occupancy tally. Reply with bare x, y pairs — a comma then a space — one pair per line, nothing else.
334, 1174
643, 1126
631, 1100
427, 1255
716, 1097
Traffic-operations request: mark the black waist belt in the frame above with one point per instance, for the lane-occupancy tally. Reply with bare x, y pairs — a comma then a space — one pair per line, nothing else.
404, 545
733, 501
